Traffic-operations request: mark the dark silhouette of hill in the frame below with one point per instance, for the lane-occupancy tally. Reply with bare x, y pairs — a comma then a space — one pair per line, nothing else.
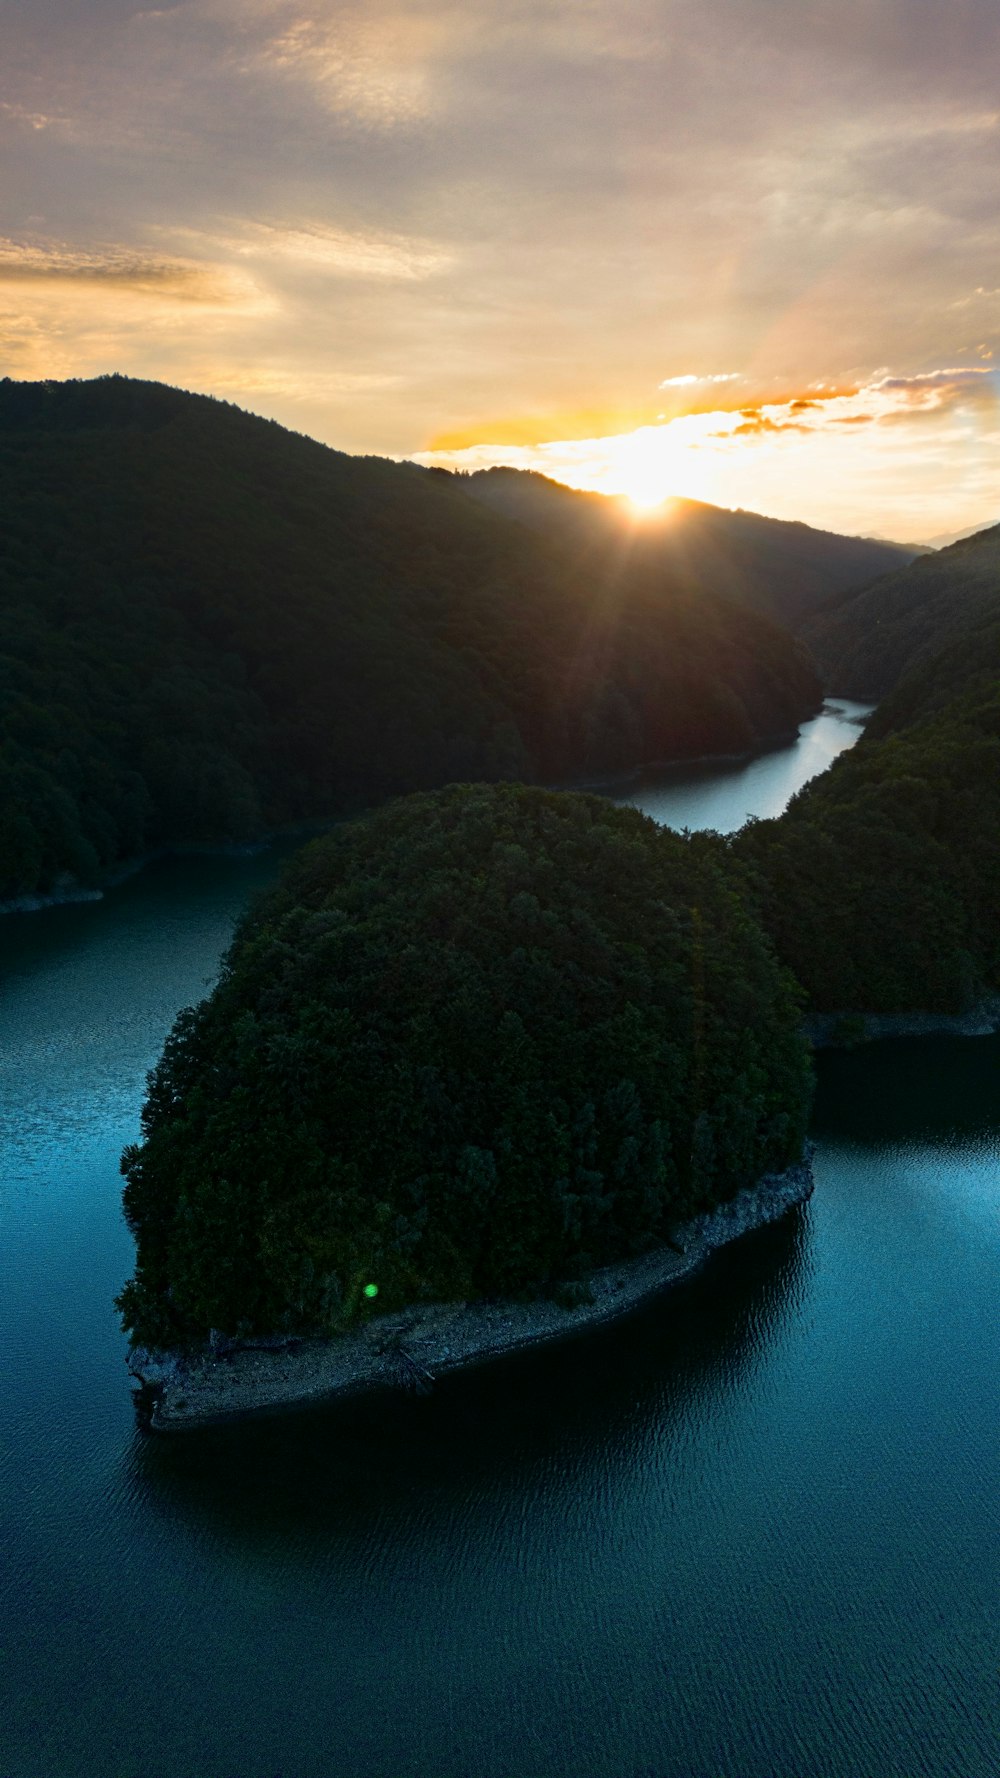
786, 570
866, 641
211, 627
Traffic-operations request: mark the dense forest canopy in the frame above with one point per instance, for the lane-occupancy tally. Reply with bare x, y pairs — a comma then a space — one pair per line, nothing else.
210, 626
786, 570
473, 1044
866, 641
881, 881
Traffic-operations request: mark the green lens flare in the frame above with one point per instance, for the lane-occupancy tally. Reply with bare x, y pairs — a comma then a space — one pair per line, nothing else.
371, 1290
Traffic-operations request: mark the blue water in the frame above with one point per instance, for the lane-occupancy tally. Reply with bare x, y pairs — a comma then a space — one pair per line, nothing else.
749, 1533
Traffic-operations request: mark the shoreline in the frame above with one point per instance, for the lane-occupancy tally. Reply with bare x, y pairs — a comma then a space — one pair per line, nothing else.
72, 893
832, 1030
628, 774
414, 1346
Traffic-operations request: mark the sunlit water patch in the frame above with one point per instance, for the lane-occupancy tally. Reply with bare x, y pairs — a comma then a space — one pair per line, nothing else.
722, 794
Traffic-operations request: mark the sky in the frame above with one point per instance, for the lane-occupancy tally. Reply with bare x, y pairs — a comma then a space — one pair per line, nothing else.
746, 251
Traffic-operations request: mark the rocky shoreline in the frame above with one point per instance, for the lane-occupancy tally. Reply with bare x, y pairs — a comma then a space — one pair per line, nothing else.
411, 1348
843, 1030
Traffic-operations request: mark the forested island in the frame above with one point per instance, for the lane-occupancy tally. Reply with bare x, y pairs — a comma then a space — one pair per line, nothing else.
213, 628
473, 1045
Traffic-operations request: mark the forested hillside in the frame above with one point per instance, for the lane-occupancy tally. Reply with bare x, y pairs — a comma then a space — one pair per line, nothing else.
866, 642
788, 571
881, 882
210, 626
473, 1044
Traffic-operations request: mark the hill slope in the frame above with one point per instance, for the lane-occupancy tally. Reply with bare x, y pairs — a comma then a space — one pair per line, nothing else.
788, 571
881, 881
210, 626
866, 642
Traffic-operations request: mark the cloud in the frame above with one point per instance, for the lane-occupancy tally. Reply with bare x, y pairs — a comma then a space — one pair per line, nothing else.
34, 120
883, 399
122, 268
254, 383
964, 378
689, 379
757, 423
529, 210
820, 456
376, 70
343, 252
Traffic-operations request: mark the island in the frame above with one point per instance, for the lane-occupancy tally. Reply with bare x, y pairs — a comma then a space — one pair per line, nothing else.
487, 1064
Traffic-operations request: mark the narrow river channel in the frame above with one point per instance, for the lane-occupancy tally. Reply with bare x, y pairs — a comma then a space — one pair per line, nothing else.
751, 1532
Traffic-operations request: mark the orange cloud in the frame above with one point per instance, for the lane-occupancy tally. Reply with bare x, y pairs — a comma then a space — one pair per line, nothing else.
53, 263
790, 457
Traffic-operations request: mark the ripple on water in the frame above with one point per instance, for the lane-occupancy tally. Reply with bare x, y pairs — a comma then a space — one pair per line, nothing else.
749, 1533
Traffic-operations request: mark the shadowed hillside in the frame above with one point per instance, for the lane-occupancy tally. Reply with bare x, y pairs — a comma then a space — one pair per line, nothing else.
210, 626
866, 642
785, 570
881, 881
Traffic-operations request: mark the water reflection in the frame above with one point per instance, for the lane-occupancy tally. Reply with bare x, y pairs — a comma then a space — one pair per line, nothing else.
908, 1090
723, 794
591, 1412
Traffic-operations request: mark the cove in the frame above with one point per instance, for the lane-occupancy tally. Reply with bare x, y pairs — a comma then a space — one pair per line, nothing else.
750, 1532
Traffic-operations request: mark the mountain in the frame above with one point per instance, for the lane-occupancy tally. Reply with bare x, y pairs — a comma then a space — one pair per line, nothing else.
866, 641
946, 537
786, 570
210, 627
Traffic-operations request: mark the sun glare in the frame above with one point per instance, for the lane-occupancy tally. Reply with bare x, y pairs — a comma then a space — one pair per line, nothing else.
645, 501
646, 466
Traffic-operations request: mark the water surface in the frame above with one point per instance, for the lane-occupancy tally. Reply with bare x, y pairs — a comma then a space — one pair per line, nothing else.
723, 793
749, 1533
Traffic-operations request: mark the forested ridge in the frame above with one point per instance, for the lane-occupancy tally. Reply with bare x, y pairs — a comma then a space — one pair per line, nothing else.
473, 1044
866, 641
211, 627
881, 881
788, 571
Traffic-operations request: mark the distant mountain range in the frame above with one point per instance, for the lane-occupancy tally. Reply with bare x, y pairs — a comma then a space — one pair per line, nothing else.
947, 537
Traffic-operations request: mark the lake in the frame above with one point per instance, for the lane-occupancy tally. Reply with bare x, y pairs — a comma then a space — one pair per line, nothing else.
750, 1532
